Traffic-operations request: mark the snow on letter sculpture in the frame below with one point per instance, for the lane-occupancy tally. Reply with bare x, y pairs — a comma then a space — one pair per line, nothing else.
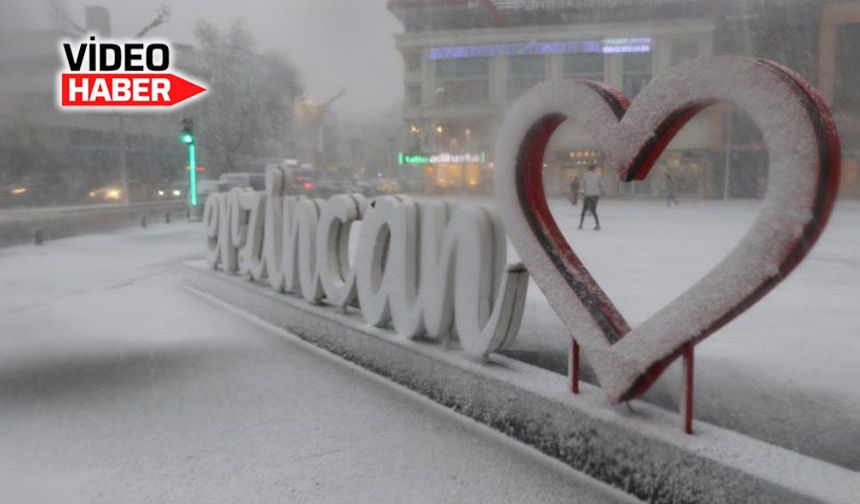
457, 281
463, 284
804, 153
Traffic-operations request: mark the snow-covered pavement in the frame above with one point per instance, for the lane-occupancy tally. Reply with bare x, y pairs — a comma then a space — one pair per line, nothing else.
116, 385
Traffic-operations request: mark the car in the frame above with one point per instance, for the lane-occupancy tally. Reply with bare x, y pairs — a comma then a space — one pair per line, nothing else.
29, 191
15, 195
107, 194
176, 190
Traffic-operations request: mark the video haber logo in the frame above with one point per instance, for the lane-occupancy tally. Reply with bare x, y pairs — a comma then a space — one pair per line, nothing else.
129, 74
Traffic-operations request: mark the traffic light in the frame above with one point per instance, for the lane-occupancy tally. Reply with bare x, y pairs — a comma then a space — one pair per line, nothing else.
187, 138
187, 131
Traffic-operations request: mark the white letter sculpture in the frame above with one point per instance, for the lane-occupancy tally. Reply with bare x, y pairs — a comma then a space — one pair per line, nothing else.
456, 283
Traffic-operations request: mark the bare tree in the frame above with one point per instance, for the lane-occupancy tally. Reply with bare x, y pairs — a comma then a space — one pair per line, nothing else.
162, 15
58, 12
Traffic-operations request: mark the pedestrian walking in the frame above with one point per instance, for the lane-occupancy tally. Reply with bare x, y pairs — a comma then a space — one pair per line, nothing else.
591, 183
574, 190
669, 188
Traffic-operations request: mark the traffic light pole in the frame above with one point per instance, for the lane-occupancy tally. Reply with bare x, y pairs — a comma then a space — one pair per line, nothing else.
188, 139
192, 175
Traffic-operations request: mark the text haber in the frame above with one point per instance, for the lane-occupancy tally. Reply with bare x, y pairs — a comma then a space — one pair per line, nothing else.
95, 89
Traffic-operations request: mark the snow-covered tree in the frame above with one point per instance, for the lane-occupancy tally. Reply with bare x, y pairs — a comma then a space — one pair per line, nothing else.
247, 113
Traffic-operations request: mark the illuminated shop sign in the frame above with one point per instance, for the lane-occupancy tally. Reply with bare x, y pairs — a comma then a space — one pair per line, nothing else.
413, 159
444, 157
606, 46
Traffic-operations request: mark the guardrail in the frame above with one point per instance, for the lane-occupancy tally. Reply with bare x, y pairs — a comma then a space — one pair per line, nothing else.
38, 224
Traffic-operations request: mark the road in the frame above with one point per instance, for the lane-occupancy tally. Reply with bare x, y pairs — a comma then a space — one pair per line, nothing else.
117, 385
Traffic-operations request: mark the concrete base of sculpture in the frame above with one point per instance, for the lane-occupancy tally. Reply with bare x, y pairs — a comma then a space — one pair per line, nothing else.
638, 450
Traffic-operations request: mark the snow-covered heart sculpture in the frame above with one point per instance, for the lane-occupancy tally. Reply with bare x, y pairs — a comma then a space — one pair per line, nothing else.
804, 155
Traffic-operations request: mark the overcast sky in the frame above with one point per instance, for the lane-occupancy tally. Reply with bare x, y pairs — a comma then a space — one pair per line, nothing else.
333, 43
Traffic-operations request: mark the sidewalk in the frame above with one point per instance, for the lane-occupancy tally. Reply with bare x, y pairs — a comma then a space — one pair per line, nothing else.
119, 386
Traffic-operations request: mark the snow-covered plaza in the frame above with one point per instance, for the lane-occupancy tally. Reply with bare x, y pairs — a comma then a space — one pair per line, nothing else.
785, 371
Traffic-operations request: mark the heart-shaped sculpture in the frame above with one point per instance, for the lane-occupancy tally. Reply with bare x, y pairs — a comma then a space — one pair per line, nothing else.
804, 155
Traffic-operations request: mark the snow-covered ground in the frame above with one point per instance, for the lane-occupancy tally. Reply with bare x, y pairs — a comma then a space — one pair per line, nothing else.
116, 385
787, 371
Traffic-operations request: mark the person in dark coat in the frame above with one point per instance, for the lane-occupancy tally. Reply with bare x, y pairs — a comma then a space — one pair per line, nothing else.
669, 187
593, 190
574, 190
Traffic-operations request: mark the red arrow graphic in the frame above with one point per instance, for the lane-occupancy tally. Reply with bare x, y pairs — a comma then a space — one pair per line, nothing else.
126, 89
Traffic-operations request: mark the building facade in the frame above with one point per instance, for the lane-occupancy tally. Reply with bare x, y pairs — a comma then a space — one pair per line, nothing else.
68, 155
244, 123
466, 61
839, 82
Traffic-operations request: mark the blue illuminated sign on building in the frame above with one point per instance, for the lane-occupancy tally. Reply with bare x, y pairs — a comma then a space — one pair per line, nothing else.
606, 46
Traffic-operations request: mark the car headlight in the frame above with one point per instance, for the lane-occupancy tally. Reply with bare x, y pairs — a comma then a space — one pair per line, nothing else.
177, 192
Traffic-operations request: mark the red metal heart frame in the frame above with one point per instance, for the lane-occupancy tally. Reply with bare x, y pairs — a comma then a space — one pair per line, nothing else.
527, 173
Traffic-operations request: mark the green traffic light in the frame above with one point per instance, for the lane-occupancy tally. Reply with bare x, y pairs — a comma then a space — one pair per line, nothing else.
188, 138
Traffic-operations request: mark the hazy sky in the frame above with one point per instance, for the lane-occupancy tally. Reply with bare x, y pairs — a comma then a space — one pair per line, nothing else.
333, 43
